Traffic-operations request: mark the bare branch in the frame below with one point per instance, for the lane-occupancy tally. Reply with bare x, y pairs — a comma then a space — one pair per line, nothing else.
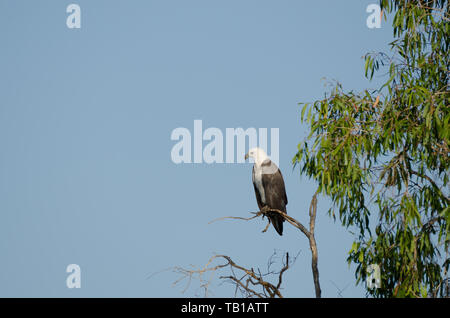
247, 281
308, 233
236, 218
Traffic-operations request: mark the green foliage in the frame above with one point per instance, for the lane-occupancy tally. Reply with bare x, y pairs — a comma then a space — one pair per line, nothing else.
383, 156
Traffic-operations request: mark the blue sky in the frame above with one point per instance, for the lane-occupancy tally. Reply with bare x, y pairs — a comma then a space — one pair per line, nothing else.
86, 115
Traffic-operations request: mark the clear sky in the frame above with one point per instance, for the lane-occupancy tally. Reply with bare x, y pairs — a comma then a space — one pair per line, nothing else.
86, 115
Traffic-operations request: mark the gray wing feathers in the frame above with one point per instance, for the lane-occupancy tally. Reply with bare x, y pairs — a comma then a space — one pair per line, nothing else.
275, 194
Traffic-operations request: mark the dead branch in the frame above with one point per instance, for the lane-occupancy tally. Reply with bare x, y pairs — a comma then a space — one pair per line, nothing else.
308, 233
249, 282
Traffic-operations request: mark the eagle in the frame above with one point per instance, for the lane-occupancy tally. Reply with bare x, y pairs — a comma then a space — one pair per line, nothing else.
269, 186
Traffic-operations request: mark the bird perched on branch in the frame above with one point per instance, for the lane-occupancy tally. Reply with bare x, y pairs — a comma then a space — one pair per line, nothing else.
269, 186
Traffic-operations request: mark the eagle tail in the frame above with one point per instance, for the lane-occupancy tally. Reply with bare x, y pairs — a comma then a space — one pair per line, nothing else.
277, 221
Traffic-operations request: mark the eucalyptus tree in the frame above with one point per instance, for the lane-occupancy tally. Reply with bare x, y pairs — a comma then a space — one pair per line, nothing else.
382, 156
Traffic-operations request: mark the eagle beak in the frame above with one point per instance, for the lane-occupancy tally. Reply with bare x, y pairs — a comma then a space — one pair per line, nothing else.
246, 156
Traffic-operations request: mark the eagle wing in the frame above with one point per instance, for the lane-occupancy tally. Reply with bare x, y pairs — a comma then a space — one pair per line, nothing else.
275, 195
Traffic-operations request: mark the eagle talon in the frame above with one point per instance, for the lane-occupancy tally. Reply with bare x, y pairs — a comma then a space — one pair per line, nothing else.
267, 227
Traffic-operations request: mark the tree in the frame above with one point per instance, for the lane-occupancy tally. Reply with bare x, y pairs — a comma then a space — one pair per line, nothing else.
382, 156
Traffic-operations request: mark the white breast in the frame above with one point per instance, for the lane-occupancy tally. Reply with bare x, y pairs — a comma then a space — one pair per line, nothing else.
257, 180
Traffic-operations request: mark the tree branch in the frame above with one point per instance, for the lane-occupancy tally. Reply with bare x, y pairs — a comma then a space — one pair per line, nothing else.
245, 284
308, 233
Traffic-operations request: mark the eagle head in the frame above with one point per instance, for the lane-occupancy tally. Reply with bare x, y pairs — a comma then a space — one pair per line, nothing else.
258, 154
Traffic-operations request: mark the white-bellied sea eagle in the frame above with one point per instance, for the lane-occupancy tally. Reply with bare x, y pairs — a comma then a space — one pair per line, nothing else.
269, 186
